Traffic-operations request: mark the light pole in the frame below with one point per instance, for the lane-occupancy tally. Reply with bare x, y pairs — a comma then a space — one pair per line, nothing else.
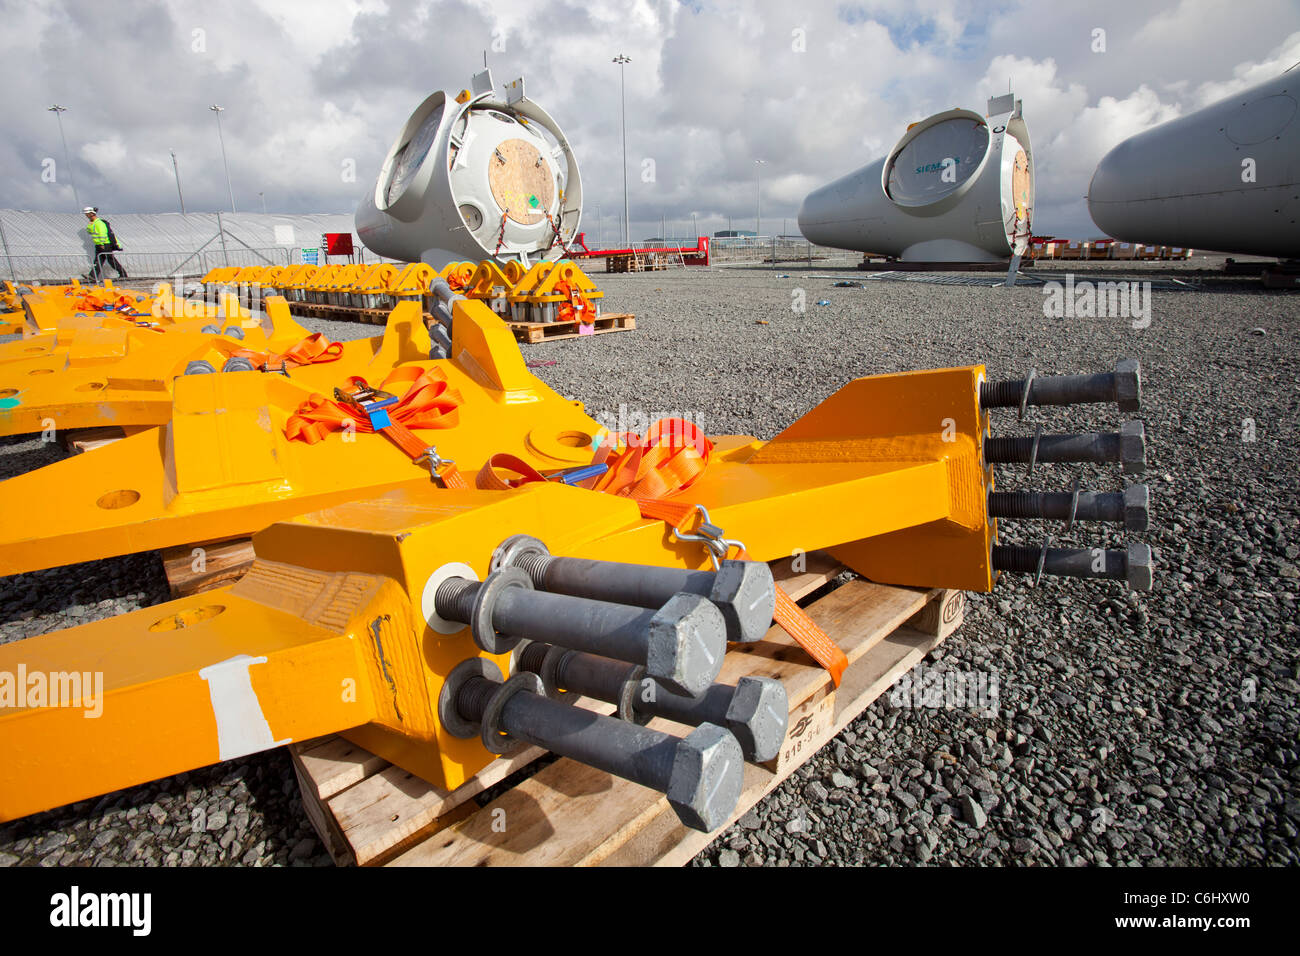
262, 196
622, 60
600, 232
695, 227
758, 211
58, 112
177, 170
218, 110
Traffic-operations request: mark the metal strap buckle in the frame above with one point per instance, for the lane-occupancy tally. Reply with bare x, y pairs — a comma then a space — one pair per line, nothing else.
437, 464
371, 402
711, 536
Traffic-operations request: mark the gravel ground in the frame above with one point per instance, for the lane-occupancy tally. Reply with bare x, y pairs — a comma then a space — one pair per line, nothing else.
1127, 729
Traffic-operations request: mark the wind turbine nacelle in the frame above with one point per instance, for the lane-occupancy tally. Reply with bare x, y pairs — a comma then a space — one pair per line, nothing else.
473, 176
958, 187
1222, 178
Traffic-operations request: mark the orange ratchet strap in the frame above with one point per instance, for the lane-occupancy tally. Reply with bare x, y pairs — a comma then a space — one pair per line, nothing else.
313, 350
428, 402
671, 456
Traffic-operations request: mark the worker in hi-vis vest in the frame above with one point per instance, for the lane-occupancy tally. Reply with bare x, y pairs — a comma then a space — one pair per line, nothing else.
105, 246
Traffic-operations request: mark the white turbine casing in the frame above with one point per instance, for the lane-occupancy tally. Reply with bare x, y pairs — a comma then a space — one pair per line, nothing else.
458, 169
1188, 183
940, 207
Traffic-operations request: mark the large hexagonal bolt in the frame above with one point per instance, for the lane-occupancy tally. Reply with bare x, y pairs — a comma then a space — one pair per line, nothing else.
756, 710
1127, 446
681, 644
701, 774
1132, 565
1122, 386
1129, 507
743, 591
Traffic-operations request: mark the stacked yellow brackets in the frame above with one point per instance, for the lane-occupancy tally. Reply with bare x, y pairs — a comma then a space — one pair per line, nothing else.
511, 291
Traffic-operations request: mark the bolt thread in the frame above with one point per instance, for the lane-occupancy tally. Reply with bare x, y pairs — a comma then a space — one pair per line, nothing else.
473, 698
454, 599
1016, 504
1001, 394
531, 657
1015, 557
535, 566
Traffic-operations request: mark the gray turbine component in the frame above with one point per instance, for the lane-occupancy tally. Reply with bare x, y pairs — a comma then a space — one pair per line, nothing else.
1187, 183
681, 644
1130, 507
474, 180
756, 710
210, 330
1132, 565
958, 187
234, 332
701, 775
238, 364
744, 591
200, 367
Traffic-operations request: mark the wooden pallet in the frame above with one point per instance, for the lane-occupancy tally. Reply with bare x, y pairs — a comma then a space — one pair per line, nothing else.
533, 332
344, 313
370, 812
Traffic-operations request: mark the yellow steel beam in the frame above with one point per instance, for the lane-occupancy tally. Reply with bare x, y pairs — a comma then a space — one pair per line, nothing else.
222, 466
84, 376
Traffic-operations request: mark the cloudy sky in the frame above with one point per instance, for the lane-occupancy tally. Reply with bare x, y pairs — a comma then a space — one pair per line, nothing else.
315, 88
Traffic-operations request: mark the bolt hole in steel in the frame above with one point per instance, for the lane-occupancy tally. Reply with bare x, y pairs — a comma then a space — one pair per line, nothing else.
41, 371
574, 439
33, 351
189, 618
113, 500
8, 392
91, 387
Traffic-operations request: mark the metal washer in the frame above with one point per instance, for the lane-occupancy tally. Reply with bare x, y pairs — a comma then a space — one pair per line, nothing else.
448, 713
493, 737
485, 635
428, 597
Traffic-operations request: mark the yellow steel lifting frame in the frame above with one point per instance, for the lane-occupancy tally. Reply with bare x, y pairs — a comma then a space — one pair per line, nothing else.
330, 631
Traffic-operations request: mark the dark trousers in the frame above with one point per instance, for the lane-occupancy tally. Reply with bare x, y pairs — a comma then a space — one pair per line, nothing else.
103, 258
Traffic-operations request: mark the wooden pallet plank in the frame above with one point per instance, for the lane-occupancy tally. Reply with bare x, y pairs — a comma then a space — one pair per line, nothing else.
333, 764
570, 814
193, 568
77, 441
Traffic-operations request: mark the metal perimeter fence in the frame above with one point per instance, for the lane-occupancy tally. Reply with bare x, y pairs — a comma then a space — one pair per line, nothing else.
45, 268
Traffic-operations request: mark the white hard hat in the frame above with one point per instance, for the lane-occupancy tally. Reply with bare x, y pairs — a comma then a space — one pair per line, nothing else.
88, 209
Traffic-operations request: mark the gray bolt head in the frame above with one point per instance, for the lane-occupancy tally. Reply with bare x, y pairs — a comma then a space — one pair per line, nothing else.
1139, 567
238, 364
1133, 448
758, 715
745, 593
707, 777
1137, 504
1128, 385
210, 330
199, 367
686, 641
234, 332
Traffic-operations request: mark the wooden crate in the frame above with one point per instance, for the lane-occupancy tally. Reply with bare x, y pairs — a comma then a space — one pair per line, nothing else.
533, 332
370, 812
